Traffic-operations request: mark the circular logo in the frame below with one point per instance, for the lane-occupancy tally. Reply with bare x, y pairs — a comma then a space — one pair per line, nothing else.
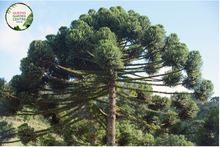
19, 16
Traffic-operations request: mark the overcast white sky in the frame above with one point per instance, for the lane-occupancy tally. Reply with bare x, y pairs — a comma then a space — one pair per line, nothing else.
195, 22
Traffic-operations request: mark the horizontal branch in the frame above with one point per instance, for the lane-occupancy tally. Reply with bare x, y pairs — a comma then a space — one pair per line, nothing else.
100, 110
146, 64
133, 98
72, 71
89, 53
129, 59
124, 46
10, 141
149, 110
101, 122
78, 89
155, 75
53, 130
153, 80
88, 95
56, 110
57, 126
68, 81
145, 83
73, 111
133, 117
139, 89
102, 101
142, 70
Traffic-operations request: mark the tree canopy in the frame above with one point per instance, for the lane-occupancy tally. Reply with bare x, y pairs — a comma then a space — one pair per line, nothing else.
64, 76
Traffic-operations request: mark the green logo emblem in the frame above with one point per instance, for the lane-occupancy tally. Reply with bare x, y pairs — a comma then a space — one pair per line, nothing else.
19, 16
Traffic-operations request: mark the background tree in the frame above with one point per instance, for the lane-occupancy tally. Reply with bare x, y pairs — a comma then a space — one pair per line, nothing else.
204, 112
7, 131
208, 133
80, 64
172, 140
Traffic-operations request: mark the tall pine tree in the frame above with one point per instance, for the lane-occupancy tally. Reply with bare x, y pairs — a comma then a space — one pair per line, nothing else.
64, 76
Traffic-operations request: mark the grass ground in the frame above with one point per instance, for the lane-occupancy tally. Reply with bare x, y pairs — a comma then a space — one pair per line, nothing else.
37, 125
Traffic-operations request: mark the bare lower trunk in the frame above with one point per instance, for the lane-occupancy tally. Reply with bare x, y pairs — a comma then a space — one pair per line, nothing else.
111, 115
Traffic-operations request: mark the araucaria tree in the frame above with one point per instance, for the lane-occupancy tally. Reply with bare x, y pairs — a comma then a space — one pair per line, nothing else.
64, 76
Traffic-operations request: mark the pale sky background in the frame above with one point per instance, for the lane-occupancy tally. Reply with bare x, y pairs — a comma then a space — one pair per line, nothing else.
195, 22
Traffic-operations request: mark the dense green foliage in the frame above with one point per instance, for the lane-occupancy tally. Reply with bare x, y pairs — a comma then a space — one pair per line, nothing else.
172, 140
204, 112
208, 132
6, 132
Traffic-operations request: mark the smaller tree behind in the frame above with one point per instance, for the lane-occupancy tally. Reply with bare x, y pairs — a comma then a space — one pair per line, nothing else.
208, 133
7, 132
172, 140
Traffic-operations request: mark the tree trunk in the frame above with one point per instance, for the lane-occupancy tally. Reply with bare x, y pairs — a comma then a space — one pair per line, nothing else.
111, 115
